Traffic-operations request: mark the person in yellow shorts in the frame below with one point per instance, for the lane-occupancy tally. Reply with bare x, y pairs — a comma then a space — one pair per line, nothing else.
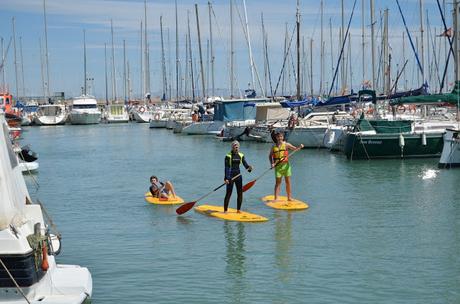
279, 159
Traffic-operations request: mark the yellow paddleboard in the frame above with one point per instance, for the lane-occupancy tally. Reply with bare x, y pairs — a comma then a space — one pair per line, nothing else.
283, 204
230, 215
155, 200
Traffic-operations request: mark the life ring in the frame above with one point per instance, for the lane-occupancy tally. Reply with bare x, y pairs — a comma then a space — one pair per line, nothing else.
370, 111
401, 109
156, 116
412, 109
141, 109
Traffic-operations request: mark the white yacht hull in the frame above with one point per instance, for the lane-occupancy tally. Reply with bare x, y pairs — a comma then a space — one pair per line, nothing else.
158, 123
450, 156
50, 120
310, 137
84, 118
204, 128
334, 138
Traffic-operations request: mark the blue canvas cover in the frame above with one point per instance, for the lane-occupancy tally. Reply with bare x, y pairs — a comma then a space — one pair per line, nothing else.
235, 110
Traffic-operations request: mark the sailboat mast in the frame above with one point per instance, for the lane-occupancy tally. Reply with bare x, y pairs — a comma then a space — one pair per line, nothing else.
3, 64
363, 20
42, 72
22, 67
251, 60
190, 56
456, 41
84, 64
231, 49
374, 79
203, 89
163, 65
106, 77
114, 82
421, 41
125, 89
146, 55
321, 77
15, 57
311, 69
298, 50
46, 53
342, 38
177, 53
211, 49
141, 63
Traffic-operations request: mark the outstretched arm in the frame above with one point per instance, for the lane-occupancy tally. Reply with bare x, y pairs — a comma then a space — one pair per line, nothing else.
292, 147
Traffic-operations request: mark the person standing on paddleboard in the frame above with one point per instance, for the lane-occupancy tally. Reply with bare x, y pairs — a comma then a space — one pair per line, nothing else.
232, 168
279, 159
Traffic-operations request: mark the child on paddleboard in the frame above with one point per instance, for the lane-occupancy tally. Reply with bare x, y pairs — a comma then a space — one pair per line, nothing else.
160, 189
232, 168
279, 159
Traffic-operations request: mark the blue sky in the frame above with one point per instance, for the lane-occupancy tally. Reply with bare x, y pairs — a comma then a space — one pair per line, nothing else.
67, 18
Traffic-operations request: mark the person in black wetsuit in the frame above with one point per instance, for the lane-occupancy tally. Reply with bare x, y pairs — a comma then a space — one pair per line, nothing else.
232, 168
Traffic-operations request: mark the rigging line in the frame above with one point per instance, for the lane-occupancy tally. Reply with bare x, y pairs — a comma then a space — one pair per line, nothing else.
451, 51
411, 42
6, 55
341, 51
430, 35
284, 61
14, 281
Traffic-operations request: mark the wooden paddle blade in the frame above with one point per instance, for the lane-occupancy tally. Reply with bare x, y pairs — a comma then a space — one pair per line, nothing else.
185, 207
248, 185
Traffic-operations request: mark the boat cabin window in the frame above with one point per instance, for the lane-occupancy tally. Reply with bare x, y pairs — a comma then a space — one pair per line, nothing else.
85, 106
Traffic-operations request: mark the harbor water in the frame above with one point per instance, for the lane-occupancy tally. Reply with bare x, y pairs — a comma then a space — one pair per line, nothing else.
376, 231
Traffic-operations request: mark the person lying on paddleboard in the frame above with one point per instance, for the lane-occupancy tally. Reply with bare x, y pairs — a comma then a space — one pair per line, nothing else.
160, 189
232, 168
279, 159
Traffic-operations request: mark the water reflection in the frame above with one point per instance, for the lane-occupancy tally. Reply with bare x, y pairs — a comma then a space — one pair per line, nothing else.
235, 260
283, 243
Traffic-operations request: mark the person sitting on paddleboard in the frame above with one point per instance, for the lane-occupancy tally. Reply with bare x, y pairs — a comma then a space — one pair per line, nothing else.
279, 159
161, 190
232, 168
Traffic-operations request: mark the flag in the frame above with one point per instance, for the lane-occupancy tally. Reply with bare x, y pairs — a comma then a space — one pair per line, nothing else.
447, 33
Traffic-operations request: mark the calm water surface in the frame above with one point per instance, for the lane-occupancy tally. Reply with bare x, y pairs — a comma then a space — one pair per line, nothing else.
375, 232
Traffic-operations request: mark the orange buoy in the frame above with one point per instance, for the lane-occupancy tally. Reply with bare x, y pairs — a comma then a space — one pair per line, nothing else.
45, 264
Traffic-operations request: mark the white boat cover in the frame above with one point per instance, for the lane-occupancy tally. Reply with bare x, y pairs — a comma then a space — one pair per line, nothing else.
13, 191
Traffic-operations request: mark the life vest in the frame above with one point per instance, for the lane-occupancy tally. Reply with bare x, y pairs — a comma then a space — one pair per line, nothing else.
230, 160
279, 153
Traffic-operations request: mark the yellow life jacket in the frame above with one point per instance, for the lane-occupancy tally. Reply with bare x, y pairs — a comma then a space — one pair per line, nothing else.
280, 154
230, 160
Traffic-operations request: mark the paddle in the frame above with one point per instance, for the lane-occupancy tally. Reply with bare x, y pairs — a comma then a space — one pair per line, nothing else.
187, 206
249, 185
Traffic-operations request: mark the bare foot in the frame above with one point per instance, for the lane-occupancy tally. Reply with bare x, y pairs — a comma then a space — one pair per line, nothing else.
238, 211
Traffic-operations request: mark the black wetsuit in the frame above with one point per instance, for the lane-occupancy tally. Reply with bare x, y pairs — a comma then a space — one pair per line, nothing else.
232, 169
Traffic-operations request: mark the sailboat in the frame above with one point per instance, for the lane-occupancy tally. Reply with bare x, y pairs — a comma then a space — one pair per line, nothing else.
29, 272
116, 112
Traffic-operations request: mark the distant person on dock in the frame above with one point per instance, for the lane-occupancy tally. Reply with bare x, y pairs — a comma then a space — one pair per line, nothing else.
279, 159
160, 189
232, 168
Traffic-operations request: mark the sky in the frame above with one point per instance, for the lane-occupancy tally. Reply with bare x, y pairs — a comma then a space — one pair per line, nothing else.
67, 19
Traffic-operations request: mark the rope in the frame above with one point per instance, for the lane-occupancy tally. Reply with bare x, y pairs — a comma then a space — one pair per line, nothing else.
14, 281
49, 219
30, 173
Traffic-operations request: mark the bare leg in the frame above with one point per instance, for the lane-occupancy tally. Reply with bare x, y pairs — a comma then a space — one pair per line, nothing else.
277, 187
287, 180
169, 187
